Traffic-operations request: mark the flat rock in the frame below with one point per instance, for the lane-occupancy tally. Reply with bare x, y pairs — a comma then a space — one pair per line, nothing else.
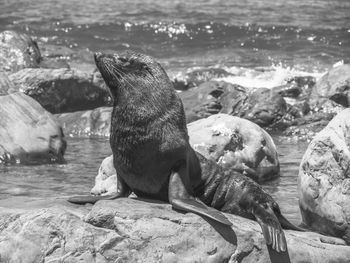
133, 230
236, 143
62, 90
18, 51
324, 182
28, 133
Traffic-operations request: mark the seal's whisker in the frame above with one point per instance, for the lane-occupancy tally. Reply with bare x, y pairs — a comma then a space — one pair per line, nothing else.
122, 76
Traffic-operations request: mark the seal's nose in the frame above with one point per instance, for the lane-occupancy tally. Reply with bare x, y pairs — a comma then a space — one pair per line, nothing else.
97, 56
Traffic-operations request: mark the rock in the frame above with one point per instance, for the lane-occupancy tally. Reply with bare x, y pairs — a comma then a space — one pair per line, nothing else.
324, 184
132, 230
261, 106
236, 143
212, 97
91, 123
62, 90
28, 133
18, 51
295, 87
106, 179
335, 85
6, 85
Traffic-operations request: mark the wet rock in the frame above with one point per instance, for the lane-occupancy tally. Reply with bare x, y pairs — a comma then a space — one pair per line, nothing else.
212, 97
295, 87
18, 51
335, 85
324, 184
106, 179
91, 123
28, 133
263, 107
129, 230
61, 90
236, 143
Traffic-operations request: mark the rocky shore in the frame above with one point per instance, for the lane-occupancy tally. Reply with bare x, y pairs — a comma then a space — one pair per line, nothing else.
45, 97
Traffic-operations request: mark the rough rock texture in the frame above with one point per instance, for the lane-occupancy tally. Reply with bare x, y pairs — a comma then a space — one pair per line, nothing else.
28, 133
129, 230
236, 143
91, 123
335, 85
261, 106
6, 85
324, 182
18, 51
106, 179
61, 90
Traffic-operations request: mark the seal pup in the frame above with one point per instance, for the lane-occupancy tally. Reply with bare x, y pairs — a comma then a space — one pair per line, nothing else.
153, 157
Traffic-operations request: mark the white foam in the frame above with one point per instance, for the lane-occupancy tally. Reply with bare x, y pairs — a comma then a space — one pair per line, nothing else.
268, 77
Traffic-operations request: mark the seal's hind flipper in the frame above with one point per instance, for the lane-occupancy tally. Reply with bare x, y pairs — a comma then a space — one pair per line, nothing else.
90, 199
271, 228
197, 207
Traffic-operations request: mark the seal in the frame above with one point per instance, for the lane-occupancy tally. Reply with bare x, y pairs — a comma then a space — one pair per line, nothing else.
153, 157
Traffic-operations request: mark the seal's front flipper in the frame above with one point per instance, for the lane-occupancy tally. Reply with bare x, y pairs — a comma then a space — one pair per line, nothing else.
90, 199
271, 228
181, 200
122, 191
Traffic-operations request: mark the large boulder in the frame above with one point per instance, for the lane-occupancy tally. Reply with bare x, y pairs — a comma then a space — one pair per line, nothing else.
62, 90
28, 133
131, 230
334, 85
18, 51
236, 143
91, 123
324, 182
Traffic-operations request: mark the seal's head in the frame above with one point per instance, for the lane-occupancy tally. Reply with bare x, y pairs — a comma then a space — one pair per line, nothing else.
129, 71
